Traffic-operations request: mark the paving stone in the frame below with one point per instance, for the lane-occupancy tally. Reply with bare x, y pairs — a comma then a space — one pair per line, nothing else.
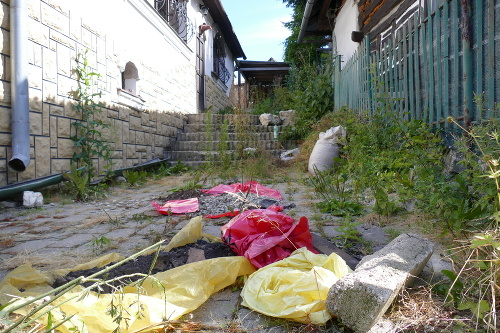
152, 228
31, 245
120, 233
213, 230
72, 241
218, 310
255, 322
377, 237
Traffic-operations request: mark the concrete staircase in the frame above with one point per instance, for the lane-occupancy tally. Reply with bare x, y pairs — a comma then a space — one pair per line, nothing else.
202, 138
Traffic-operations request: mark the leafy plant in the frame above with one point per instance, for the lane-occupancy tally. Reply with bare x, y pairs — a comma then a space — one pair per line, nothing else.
135, 177
78, 182
383, 204
332, 188
98, 244
480, 255
89, 140
348, 232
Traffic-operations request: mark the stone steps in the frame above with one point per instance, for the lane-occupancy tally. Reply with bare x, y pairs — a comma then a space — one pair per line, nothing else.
199, 141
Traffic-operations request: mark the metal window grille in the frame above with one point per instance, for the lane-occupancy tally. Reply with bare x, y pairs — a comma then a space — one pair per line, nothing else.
175, 13
219, 60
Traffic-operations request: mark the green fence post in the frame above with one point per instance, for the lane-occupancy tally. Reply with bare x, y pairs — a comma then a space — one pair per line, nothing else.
368, 74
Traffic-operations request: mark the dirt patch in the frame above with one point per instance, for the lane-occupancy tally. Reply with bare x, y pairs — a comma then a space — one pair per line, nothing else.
166, 260
182, 195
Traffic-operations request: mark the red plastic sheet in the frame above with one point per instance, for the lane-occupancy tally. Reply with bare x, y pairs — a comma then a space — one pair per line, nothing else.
177, 206
251, 186
265, 236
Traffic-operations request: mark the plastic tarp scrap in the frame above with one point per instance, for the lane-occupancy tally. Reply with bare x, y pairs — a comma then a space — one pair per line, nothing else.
264, 236
169, 294
295, 288
177, 206
250, 186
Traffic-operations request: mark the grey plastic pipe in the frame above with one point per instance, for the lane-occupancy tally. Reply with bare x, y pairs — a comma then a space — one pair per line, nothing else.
20, 116
305, 19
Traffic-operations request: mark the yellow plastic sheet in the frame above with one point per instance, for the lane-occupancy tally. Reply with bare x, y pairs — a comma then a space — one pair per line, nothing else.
166, 295
295, 288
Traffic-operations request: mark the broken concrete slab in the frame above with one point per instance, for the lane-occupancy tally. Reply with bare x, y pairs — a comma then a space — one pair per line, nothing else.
361, 298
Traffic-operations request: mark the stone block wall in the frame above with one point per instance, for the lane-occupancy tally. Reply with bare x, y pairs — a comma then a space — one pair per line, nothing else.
58, 34
216, 96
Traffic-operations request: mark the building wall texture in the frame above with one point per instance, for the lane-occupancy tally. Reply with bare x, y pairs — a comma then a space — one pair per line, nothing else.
60, 31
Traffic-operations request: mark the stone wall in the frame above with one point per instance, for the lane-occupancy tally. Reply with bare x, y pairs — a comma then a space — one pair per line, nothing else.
216, 97
58, 34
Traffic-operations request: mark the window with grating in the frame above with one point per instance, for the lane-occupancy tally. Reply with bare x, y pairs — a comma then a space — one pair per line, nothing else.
175, 13
220, 59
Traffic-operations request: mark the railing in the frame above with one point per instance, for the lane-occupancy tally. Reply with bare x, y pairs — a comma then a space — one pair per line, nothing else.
221, 70
175, 13
430, 68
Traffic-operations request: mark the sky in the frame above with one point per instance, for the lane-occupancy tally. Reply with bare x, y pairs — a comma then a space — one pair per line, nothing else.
258, 24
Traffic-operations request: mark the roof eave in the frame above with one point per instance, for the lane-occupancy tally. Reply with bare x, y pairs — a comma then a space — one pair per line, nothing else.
219, 15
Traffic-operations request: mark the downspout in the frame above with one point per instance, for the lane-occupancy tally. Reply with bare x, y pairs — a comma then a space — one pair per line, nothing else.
305, 20
19, 87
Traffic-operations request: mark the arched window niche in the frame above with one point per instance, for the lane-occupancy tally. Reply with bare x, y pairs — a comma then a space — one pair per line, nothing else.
128, 94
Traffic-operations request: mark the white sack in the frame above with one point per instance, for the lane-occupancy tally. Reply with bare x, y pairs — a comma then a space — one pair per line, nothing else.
326, 149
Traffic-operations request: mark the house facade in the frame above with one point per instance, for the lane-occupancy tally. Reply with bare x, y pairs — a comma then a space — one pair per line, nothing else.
421, 59
156, 60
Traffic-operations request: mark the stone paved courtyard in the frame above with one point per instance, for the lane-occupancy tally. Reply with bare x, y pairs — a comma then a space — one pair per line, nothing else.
62, 234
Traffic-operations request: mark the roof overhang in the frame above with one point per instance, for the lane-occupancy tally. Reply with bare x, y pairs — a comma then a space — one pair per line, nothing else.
216, 10
262, 71
319, 19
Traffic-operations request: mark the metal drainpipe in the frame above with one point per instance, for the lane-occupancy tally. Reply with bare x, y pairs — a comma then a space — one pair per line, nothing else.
19, 87
305, 19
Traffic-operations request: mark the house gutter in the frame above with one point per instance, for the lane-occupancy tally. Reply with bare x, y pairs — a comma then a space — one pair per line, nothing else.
305, 20
20, 117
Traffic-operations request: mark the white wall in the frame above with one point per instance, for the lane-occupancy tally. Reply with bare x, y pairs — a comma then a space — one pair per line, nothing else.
118, 31
346, 22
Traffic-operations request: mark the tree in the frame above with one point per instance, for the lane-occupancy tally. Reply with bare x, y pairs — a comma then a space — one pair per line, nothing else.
294, 52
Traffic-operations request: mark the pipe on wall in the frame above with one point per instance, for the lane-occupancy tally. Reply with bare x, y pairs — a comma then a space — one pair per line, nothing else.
305, 20
19, 86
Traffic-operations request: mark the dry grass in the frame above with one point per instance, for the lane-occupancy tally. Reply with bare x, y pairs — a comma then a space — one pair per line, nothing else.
419, 310
47, 261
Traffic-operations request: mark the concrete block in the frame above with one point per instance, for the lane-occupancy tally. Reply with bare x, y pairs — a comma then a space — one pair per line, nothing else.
361, 298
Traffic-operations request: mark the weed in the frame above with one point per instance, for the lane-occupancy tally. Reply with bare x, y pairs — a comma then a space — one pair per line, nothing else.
348, 232
336, 198
112, 220
383, 204
99, 244
475, 286
393, 233
89, 139
79, 183
135, 178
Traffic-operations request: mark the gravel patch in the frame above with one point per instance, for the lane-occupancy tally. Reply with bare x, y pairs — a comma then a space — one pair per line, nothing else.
228, 202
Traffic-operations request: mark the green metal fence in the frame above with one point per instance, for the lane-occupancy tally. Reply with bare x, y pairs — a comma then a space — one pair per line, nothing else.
429, 66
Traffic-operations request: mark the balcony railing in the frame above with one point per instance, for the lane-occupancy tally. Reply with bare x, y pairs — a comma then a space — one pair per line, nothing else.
175, 13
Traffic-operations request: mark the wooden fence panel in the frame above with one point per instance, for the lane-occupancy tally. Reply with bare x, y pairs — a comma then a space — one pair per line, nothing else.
429, 67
